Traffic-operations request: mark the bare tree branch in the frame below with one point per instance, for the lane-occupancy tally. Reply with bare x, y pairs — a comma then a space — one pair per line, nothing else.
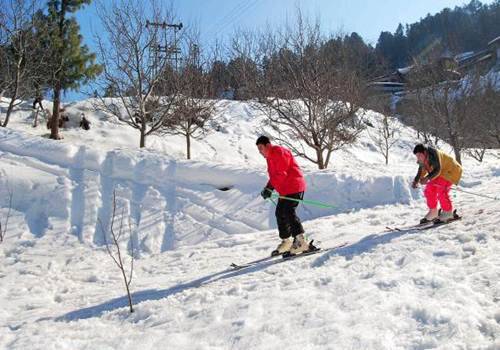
461, 112
193, 108
385, 132
308, 90
142, 82
114, 251
3, 231
21, 58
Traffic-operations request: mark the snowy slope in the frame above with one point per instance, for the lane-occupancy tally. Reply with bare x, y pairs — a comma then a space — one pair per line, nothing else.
179, 198
384, 290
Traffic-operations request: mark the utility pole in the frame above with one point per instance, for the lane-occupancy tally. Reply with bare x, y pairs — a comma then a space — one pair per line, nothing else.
194, 54
171, 52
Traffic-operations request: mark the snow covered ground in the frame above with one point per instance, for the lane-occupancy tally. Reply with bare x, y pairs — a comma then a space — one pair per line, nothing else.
385, 290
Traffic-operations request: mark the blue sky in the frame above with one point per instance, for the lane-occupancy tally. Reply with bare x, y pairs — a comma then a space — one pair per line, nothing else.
219, 18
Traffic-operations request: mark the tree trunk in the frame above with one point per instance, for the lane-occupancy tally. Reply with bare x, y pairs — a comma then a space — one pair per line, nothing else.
13, 97
458, 157
128, 290
328, 155
142, 142
188, 145
54, 129
319, 155
456, 149
426, 137
386, 149
9, 111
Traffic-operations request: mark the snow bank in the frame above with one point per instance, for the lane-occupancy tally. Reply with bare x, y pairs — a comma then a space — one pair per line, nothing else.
172, 202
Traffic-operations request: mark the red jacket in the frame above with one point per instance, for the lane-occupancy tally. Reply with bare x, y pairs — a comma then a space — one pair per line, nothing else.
284, 173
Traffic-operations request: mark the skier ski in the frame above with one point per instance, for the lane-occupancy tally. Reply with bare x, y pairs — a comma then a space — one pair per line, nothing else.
438, 172
286, 178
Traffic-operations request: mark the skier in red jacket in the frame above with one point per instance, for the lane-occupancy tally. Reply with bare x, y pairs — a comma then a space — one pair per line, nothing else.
286, 178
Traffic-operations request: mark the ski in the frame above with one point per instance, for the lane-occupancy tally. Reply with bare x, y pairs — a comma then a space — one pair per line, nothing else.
315, 251
410, 228
254, 262
273, 255
425, 226
286, 257
440, 223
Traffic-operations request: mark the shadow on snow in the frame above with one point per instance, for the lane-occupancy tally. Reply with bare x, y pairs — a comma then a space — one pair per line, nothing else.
364, 245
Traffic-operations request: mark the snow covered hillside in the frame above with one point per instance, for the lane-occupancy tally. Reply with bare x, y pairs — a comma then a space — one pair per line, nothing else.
179, 198
386, 289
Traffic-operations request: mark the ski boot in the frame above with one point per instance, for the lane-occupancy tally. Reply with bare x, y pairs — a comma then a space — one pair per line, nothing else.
431, 215
446, 216
300, 245
283, 247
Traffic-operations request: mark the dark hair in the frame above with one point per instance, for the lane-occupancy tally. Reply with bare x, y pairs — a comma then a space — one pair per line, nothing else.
263, 140
420, 148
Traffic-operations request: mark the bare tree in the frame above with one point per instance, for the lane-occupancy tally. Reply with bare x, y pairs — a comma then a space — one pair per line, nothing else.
193, 108
446, 109
21, 57
385, 132
484, 126
310, 93
139, 75
477, 153
3, 230
414, 114
489, 111
414, 106
4, 38
114, 251
190, 119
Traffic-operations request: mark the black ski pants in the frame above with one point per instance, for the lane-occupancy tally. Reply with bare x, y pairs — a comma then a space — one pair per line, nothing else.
288, 222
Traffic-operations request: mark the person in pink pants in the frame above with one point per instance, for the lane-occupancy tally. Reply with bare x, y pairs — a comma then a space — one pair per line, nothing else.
438, 172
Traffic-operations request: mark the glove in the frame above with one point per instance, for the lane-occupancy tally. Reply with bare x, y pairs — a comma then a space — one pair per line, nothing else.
266, 192
424, 180
414, 184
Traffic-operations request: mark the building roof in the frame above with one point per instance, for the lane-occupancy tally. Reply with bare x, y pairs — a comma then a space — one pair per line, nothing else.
494, 41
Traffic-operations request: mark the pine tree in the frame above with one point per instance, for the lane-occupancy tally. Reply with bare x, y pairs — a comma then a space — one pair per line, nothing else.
72, 63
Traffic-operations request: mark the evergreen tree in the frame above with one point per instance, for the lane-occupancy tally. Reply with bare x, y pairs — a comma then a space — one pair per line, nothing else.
394, 47
466, 28
72, 63
219, 77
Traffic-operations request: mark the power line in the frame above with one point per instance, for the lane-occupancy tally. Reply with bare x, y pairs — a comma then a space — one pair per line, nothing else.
232, 19
240, 13
228, 15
